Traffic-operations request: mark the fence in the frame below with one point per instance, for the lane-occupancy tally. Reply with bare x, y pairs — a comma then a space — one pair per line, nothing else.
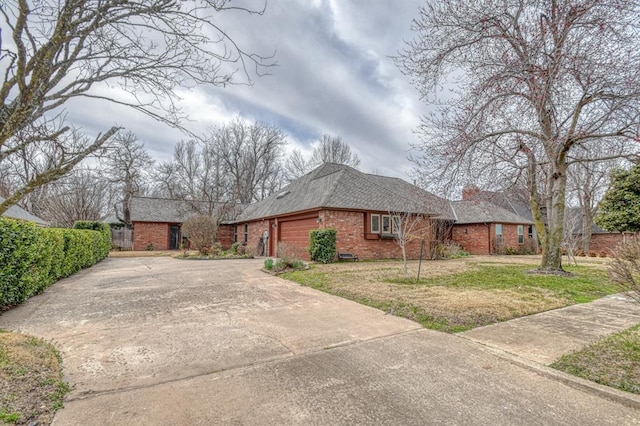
122, 239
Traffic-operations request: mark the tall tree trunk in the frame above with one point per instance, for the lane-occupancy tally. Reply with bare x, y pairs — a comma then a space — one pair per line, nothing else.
552, 255
587, 222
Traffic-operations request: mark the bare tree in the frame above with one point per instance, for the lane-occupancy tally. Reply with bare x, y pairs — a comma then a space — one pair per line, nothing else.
573, 226
250, 156
332, 149
530, 82
201, 231
587, 183
624, 269
80, 195
296, 165
194, 174
140, 51
407, 227
124, 165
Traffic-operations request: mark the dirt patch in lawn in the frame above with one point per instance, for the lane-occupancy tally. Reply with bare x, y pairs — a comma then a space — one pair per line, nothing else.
31, 386
455, 295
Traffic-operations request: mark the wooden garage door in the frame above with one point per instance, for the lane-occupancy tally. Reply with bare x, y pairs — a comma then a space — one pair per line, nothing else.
295, 233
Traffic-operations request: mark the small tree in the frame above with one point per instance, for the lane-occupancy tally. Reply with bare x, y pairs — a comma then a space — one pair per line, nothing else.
624, 270
201, 231
407, 227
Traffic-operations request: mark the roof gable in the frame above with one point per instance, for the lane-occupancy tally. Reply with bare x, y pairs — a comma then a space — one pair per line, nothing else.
342, 187
480, 211
149, 209
16, 212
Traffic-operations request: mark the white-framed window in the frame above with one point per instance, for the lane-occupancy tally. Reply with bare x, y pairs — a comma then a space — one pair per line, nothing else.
375, 223
386, 224
396, 225
520, 234
498, 230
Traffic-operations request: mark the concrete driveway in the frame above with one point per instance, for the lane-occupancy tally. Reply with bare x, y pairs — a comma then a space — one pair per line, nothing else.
165, 341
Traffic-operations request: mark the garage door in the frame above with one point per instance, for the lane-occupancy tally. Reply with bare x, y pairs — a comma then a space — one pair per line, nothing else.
295, 234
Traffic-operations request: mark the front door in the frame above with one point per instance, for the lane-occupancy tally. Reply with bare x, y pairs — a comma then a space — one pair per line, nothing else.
174, 237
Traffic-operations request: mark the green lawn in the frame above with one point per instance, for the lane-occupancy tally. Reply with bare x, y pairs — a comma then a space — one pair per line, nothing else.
457, 295
612, 361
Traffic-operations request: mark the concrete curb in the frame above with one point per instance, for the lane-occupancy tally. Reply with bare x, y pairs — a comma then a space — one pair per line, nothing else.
625, 398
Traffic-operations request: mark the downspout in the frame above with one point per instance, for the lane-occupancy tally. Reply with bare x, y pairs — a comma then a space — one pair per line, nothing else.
489, 237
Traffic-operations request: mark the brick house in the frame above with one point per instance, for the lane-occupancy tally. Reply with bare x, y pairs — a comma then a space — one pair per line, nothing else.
157, 222
364, 209
482, 227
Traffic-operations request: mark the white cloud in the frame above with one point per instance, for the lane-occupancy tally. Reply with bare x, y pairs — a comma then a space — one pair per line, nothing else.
334, 75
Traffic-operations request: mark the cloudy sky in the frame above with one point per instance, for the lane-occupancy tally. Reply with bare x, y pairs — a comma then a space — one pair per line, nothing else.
334, 74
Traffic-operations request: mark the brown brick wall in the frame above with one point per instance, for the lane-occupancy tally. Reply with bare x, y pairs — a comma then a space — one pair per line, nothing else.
480, 238
604, 243
225, 236
256, 229
145, 233
350, 228
157, 233
474, 238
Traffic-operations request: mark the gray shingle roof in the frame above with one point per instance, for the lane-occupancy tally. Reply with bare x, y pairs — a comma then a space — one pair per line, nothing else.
339, 186
480, 211
146, 209
15, 212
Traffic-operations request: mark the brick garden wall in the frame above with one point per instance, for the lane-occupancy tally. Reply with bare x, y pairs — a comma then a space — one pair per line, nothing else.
605, 243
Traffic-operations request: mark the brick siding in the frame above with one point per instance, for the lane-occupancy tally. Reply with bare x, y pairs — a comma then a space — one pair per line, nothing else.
480, 238
350, 228
605, 243
145, 233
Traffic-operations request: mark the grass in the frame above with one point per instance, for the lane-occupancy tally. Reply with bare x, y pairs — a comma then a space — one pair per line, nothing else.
612, 361
31, 386
457, 295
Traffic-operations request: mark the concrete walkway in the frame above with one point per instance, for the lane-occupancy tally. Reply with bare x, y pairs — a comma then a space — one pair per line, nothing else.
544, 337
159, 341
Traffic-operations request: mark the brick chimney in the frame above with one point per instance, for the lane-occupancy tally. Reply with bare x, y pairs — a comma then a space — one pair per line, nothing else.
469, 192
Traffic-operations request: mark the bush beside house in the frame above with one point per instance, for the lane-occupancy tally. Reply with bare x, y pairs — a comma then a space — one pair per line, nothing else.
322, 245
32, 258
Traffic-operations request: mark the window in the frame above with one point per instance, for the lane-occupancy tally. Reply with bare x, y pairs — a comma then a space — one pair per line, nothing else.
386, 224
520, 234
246, 232
530, 231
235, 234
375, 223
397, 228
498, 230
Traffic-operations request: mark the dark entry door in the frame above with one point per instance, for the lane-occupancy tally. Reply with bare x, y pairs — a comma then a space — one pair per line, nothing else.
174, 237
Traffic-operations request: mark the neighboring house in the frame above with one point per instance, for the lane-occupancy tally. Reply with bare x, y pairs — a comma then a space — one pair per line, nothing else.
15, 212
364, 209
157, 222
482, 227
601, 242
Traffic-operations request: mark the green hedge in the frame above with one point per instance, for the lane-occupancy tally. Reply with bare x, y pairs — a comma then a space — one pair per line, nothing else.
322, 245
33, 258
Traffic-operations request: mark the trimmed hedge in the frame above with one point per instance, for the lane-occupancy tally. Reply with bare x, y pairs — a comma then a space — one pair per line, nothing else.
33, 258
322, 245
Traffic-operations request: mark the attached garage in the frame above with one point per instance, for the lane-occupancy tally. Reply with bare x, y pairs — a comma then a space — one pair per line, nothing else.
295, 234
